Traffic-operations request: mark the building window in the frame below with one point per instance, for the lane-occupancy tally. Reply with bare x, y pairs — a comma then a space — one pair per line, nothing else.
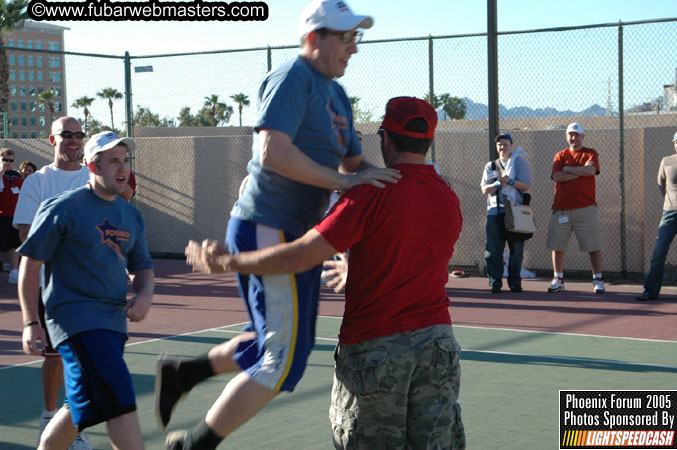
15, 121
32, 105
12, 91
54, 62
38, 61
55, 46
22, 75
33, 133
22, 91
15, 106
15, 135
12, 75
30, 61
21, 60
10, 43
38, 45
55, 76
31, 91
29, 45
24, 106
41, 107
12, 60
34, 121
40, 76
57, 106
31, 75
40, 89
57, 91
42, 121
24, 134
24, 121
19, 44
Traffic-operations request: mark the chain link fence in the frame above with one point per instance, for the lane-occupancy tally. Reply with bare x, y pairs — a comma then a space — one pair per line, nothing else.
618, 80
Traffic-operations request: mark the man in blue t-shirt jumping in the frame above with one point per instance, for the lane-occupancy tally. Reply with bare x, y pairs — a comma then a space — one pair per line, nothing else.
89, 237
305, 146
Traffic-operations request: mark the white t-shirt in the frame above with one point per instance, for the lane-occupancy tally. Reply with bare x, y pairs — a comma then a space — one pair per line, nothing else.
43, 184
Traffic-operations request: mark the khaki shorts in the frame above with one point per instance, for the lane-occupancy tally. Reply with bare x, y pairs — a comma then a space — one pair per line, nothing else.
583, 221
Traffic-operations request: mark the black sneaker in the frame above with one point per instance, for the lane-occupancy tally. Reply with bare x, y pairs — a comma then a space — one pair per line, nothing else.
645, 296
167, 390
176, 440
495, 289
515, 288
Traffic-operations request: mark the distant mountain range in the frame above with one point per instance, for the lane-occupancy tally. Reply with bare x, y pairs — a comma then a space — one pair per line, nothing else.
476, 111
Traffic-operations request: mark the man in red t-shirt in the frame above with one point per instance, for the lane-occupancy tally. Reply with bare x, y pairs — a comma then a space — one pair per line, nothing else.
574, 170
10, 186
397, 374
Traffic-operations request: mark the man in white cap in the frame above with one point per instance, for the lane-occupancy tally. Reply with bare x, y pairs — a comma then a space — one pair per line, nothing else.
305, 146
65, 173
89, 237
575, 209
667, 174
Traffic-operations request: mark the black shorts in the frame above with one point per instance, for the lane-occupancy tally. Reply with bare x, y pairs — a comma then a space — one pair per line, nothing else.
9, 236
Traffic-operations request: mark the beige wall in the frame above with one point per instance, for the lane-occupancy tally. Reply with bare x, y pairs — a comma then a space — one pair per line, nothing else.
187, 186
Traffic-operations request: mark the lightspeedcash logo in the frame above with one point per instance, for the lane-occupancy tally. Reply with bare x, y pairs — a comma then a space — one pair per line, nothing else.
152, 10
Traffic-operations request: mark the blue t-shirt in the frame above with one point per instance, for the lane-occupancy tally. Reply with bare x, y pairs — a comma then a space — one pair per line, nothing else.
87, 243
316, 113
520, 172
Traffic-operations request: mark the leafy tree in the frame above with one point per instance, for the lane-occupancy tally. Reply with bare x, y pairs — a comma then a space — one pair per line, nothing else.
360, 115
241, 100
12, 16
216, 112
84, 102
144, 117
110, 94
454, 107
96, 126
47, 98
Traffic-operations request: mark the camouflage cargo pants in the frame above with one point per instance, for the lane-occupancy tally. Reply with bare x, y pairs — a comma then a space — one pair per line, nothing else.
398, 392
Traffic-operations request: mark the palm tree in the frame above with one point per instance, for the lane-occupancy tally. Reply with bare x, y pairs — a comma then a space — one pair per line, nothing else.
12, 16
110, 94
84, 102
241, 100
45, 98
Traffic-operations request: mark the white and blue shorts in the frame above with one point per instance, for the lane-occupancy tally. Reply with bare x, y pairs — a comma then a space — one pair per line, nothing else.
282, 310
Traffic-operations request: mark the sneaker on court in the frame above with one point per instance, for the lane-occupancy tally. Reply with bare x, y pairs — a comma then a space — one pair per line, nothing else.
13, 276
556, 285
176, 440
598, 286
167, 390
81, 442
43, 424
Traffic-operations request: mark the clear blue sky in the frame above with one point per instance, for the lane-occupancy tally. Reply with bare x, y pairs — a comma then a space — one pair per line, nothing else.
393, 19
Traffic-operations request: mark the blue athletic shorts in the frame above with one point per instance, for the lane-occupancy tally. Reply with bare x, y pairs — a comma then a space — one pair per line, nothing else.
98, 383
282, 309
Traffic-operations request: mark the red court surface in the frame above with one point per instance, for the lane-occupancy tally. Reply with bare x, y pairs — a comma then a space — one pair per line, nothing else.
186, 302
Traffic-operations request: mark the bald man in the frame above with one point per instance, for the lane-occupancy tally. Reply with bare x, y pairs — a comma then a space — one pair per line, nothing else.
64, 174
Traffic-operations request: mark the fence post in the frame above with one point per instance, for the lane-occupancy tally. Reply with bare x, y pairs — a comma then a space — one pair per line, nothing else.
269, 55
431, 81
621, 152
129, 112
492, 75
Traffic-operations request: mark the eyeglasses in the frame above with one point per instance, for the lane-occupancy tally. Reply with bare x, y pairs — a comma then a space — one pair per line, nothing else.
71, 135
346, 37
7, 160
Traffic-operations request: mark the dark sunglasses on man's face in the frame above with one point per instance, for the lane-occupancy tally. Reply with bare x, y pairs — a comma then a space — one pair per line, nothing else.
71, 135
7, 160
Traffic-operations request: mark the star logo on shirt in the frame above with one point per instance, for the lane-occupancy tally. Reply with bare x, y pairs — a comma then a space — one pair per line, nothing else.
112, 236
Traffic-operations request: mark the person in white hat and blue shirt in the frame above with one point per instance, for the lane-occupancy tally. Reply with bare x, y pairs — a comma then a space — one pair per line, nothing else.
89, 237
667, 174
303, 135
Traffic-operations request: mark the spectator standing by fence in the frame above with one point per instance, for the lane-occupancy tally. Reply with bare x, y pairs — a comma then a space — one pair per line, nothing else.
575, 208
10, 186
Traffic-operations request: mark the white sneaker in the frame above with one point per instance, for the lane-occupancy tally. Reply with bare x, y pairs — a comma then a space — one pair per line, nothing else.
43, 424
81, 442
557, 285
13, 276
598, 285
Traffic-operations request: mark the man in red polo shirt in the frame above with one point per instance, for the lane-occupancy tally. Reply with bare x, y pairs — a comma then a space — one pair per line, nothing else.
10, 186
397, 375
574, 170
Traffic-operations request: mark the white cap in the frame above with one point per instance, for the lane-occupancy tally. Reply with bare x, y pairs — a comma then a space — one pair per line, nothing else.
332, 14
575, 128
106, 140
674, 138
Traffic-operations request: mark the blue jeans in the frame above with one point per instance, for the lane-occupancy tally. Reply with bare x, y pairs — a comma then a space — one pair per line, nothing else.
666, 233
493, 254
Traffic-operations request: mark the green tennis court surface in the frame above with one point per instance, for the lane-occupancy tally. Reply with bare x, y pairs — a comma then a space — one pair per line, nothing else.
509, 390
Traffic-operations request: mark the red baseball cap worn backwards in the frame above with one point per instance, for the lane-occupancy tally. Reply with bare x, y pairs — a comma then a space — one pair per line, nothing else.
400, 110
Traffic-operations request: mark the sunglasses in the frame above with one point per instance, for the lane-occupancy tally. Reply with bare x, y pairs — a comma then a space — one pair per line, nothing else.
346, 37
71, 135
7, 160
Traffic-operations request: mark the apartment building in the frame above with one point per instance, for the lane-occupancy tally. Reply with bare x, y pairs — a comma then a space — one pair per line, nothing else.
32, 70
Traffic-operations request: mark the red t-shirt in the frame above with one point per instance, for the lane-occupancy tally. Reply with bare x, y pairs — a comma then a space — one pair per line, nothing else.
401, 239
9, 194
580, 192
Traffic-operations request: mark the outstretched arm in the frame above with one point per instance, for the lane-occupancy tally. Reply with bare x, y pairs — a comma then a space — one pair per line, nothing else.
298, 256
